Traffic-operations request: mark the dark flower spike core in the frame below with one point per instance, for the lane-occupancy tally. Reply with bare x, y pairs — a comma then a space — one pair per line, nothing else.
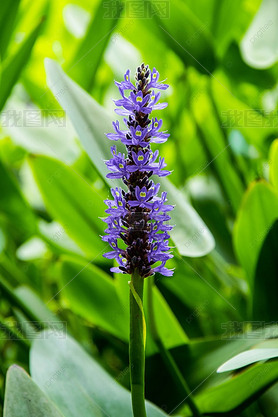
138, 216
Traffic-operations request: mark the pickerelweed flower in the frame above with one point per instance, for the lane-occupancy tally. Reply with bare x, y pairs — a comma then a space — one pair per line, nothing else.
138, 216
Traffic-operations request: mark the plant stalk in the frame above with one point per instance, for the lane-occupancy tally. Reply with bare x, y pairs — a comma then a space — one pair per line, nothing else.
137, 346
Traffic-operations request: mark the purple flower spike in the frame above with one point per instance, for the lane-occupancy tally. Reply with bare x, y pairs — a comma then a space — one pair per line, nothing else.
138, 216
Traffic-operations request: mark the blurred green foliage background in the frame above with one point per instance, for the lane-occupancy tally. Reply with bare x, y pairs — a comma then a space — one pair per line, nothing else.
220, 59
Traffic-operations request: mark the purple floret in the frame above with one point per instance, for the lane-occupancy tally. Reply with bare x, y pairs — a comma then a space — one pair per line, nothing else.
137, 226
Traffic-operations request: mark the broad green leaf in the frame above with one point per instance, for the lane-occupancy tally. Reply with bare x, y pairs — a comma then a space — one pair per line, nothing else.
91, 293
239, 390
15, 209
205, 356
255, 218
8, 14
56, 236
23, 398
87, 59
82, 386
262, 31
192, 237
91, 122
247, 358
13, 66
56, 136
72, 201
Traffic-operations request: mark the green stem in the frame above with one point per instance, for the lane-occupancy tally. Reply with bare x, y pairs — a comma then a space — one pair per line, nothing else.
168, 359
137, 346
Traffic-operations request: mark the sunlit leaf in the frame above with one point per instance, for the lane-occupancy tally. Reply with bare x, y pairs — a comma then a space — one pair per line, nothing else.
83, 387
247, 358
79, 204
262, 32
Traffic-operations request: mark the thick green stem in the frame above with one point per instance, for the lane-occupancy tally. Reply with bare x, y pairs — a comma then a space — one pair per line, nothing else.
137, 346
168, 359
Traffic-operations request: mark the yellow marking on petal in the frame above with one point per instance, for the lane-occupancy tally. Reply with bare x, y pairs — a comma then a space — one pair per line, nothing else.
138, 133
120, 203
155, 124
155, 75
155, 228
113, 244
142, 194
139, 99
121, 166
140, 158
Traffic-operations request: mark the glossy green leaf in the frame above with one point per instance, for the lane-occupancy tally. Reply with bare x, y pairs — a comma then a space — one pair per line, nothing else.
91, 294
13, 66
255, 218
56, 136
262, 31
248, 358
91, 122
82, 387
23, 398
56, 236
239, 390
92, 47
72, 201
